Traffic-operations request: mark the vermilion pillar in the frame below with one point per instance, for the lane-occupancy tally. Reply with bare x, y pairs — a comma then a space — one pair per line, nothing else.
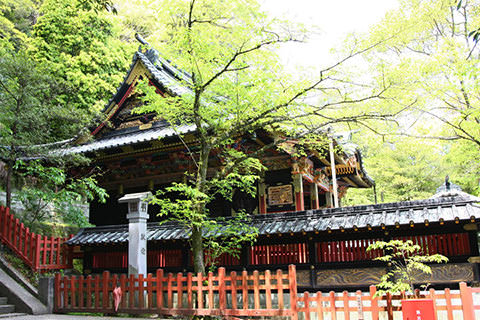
298, 187
262, 198
314, 196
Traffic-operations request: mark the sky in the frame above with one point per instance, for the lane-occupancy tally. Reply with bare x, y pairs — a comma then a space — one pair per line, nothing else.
335, 19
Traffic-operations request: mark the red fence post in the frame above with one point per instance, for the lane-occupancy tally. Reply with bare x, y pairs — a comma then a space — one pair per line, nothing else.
159, 288
58, 298
179, 290
292, 282
306, 303
280, 289
105, 298
374, 303
268, 289
2, 222
16, 230
319, 305
36, 256
467, 302
333, 309
222, 294
256, 290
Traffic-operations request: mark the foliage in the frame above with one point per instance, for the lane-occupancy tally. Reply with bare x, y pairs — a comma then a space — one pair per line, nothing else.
59, 63
429, 54
238, 87
16, 20
221, 236
79, 46
463, 162
406, 261
48, 194
404, 169
30, 117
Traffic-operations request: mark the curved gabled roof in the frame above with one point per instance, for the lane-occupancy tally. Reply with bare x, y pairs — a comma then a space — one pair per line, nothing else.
172, 81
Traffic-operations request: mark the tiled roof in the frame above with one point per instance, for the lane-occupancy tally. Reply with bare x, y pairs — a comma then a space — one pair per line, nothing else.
170, 77
129, 137
388, 215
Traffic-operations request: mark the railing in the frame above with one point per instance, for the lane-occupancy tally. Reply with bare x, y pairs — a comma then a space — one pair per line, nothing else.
235, 294
119, 259
449, 244
249, 295
279, 253
448, 304
346, 250
41, 253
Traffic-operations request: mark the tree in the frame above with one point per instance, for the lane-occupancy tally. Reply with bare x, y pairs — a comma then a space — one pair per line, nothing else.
403, 168
430, 56
29, 118
31, 124
406, 262
16, 21
238, 87
48, 195
78, 44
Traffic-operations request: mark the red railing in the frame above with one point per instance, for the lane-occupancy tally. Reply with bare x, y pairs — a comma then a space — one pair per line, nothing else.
449, 244
279, 253
41, 253
235, 294
346, 250
119, 259
257, 294
366, 305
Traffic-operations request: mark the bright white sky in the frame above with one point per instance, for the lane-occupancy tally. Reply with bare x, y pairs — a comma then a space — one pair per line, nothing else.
335, 19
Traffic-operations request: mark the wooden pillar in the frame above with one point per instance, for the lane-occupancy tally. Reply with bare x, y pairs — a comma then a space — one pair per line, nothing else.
329, 200
298, 188
262, 197
334, 175
314, 196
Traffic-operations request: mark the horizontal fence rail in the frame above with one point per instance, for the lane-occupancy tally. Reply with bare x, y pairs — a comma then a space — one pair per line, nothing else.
251, 295
40, 253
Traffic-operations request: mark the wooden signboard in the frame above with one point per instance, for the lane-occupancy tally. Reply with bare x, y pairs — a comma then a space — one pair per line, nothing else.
280, 195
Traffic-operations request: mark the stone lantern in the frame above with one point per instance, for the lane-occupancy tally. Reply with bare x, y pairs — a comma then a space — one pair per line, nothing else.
137, 231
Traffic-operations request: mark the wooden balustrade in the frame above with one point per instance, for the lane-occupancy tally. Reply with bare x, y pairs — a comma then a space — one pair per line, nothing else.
241, 294
255, 294
155, 258
351, 250
41, 253
448, 244
279, 254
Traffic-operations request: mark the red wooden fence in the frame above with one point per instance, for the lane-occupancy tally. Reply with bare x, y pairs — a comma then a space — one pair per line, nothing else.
279, 253
41, 253
119, 259
249, 295
359, 305
449, 244
225, 295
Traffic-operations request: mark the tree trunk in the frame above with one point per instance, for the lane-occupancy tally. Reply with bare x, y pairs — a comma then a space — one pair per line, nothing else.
197, 250
197, 237
8, 184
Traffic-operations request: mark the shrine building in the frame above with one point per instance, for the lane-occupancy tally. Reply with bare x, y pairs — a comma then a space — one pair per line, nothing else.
292, 210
